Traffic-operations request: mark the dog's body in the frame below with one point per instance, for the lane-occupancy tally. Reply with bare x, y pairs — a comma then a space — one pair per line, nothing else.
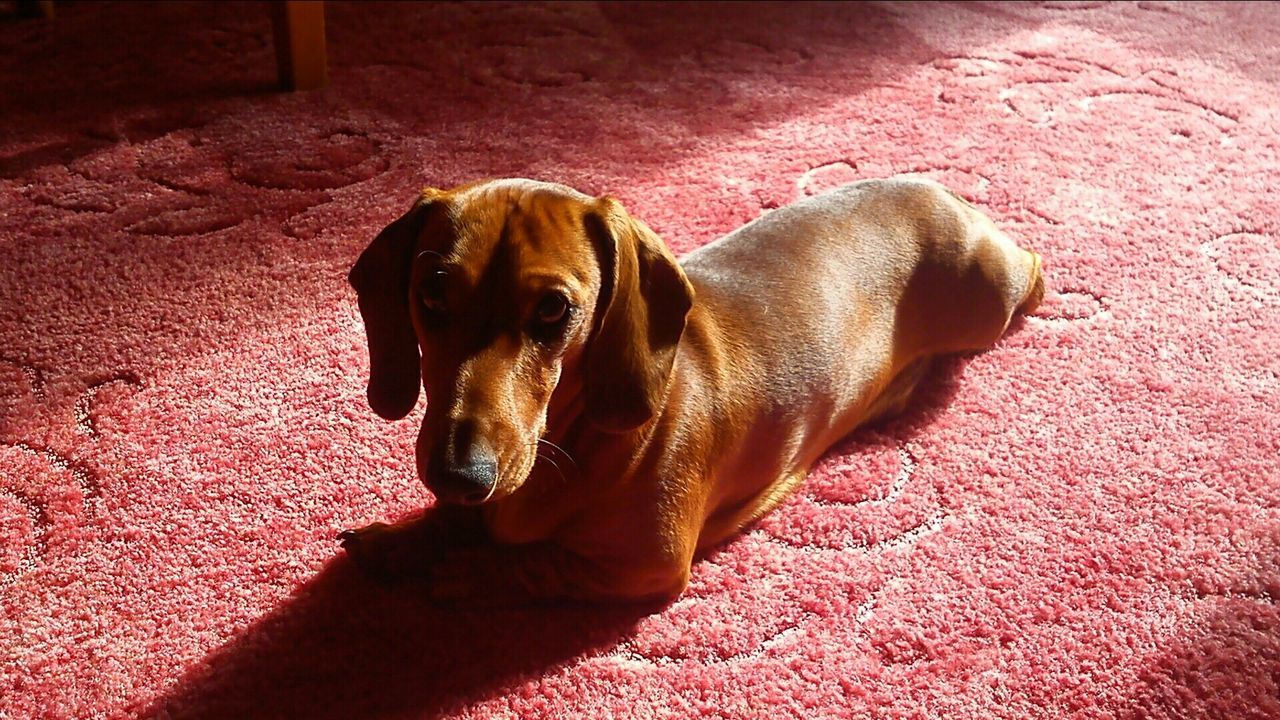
686, 400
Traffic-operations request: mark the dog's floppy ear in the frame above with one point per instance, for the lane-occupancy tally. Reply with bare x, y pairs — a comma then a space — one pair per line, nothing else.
381, 281
639, 318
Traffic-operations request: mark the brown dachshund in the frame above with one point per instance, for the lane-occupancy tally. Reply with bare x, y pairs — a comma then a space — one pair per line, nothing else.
600, 413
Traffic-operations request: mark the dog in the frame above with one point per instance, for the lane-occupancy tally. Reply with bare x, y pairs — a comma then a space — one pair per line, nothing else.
599, 413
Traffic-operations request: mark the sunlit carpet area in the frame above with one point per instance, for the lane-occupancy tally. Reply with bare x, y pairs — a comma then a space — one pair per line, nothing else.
1082, 522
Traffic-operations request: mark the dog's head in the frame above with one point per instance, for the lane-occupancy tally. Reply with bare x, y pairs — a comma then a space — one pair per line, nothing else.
494, 295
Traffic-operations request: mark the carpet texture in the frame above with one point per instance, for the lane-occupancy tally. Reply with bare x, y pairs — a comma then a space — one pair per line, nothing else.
1083, 522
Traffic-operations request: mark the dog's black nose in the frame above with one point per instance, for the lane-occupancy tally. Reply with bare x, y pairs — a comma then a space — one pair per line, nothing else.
467, 483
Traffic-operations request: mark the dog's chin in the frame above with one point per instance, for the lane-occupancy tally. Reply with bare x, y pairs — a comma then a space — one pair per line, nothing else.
448, 499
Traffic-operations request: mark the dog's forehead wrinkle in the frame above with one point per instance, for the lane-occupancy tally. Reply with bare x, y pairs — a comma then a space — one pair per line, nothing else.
537, 210
533, 188
477, 237
524, 227
508, 191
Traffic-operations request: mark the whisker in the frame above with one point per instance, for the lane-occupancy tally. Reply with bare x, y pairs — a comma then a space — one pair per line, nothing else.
537, 446
562, 451
554, 465
537, 453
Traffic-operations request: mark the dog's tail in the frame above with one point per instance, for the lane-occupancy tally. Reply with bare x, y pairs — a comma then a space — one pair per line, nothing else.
1035, 288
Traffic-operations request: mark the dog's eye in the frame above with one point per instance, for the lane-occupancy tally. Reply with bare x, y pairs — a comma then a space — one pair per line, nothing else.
431, 293
552, 309
551, 318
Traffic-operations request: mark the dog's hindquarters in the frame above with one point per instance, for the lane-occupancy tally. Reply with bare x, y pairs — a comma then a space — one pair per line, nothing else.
967, 282
903, 271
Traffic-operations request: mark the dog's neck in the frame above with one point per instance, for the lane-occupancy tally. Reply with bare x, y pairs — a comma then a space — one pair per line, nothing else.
571, 449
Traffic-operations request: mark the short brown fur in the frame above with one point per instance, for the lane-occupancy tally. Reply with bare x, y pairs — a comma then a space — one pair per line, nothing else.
680, 401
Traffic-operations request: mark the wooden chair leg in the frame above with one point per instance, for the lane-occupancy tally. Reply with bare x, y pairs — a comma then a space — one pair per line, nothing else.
36, 9
300, 48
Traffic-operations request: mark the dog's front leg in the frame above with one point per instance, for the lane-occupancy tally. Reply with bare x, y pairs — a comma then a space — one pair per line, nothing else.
407, 549
497, 575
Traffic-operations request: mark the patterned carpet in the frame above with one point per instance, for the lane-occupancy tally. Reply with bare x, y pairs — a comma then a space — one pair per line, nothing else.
1083, 522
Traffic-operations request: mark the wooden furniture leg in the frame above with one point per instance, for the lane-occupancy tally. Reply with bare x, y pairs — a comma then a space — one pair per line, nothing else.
36, 8
300, 48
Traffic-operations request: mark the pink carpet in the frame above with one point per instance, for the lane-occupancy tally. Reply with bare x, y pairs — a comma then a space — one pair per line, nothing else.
1083, 522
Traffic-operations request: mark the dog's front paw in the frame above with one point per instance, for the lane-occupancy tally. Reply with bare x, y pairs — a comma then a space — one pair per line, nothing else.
389, 553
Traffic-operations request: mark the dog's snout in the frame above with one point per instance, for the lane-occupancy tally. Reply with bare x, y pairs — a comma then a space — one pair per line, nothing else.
466, 476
